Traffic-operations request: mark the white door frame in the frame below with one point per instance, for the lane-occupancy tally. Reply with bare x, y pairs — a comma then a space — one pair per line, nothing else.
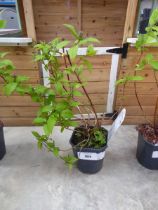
112, 78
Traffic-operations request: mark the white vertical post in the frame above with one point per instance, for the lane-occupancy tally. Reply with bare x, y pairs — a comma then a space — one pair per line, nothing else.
45, 73
112, 81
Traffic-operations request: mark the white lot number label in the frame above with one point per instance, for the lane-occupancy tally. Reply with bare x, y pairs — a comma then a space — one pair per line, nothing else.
155, 154
90, 155
117, 123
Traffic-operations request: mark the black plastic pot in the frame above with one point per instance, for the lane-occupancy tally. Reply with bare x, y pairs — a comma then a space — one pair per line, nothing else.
147, 153
2, 143
90, 160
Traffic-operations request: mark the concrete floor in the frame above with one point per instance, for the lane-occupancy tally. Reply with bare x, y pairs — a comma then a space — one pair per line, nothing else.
34, 180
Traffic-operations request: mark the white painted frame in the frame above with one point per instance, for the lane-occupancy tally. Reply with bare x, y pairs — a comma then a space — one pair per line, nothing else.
15, 41
113, 73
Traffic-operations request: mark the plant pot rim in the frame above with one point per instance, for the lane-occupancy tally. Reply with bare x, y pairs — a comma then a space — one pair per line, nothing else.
146, 141
88, 148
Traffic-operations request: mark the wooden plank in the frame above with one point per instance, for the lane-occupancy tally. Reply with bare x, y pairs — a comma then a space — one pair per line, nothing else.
50, 16
22, 57
29, 19
15, 121
97, 99
18, 112
130, 19
19, 101
136, 120
136, 111
16, 50
131, 100
97, 87
79, 14
149, 88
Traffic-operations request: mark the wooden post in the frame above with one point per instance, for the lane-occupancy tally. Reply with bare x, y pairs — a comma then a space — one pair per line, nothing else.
130, 19
79, 13
29, 19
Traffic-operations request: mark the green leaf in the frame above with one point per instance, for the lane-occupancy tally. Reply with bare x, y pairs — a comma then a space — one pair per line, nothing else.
50, 145
72, 30
3, 23
154, 17
38, 57
21, 90
90, 51
73, 52
62, 44
56, 151
67, 114
121, 81
46, 109
40, 89
89, 40
21, 79
3, 54
135, 78
39, 120
48, 128
154, 65
88, 64
39, 143
7, 64
36, 134
77, 93
59, 87
61, 106
128, 79
77, 85
69, 160
74, 103
140, 42
141, 65
73, 123
149, 57
50, 92
9, 88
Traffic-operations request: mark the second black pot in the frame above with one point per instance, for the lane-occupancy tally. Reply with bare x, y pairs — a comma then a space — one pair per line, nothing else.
147, 153
2, 143
90, 160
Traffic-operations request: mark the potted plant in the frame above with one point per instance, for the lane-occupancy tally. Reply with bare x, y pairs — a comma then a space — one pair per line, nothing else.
61, 97
147, 148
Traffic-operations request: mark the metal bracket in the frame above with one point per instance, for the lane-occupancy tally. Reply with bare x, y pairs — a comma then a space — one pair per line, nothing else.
120, 50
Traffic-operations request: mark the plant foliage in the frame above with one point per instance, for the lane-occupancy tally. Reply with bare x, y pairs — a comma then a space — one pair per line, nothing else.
58, 100
145, 59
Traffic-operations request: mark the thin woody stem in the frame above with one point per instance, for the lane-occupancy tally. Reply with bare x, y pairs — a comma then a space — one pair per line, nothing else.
136, 94
89, 99
68, 77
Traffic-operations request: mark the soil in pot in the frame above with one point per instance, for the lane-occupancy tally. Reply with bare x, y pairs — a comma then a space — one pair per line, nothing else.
147, 148
149, 132
89, 149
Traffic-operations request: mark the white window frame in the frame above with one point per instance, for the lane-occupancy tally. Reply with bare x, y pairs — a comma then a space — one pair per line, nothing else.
112, 76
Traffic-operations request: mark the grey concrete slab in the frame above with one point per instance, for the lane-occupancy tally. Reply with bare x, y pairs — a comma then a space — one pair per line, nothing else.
34, 180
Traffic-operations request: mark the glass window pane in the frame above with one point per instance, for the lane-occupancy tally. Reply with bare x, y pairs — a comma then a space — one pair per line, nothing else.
9, 11
145, 9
